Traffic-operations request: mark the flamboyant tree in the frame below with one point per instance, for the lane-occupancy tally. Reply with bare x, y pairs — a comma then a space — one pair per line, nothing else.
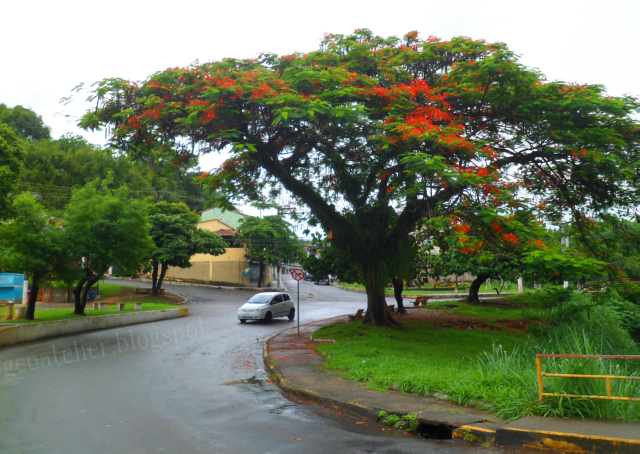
372, 134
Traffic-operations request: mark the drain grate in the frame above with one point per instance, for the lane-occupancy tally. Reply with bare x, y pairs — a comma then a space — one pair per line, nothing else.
436, 431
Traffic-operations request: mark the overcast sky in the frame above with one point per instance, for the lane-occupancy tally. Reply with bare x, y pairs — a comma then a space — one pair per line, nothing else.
48, 47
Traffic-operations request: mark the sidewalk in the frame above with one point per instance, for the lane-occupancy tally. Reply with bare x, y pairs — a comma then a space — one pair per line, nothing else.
295, 366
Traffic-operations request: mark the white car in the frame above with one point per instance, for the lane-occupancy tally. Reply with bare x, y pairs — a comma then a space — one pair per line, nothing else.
267, 305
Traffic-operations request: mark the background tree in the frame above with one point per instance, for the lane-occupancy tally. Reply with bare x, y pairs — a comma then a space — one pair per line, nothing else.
31, 242
367, 127
175, 232
269, 240
480, 241
612, 240
10, 163
25, 122
103, 227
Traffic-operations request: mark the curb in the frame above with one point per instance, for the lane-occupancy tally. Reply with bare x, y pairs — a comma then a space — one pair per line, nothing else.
564, 442
18, 333
529, 433
362, 411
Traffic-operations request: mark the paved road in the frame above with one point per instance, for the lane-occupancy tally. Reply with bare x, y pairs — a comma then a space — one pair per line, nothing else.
161, 387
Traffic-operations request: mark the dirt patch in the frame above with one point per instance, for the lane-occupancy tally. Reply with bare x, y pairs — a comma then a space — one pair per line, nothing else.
168, 299
520, 324
465, 324
498, 303
427, 314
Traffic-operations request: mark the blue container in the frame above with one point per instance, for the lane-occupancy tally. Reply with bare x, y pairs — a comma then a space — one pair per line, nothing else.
11, 286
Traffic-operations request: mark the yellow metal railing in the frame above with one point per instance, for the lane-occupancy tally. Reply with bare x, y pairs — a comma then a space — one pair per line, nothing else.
608, 378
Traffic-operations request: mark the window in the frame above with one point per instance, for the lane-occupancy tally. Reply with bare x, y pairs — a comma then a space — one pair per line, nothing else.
277, 299
286, 297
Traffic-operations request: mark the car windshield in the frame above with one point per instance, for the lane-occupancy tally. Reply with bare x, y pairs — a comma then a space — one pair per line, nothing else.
259, 299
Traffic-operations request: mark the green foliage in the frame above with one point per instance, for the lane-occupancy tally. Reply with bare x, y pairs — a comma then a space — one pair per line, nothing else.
392, 420
56, 167
330, 261
481, 241
269, 240
498, 369
10, 162
103, 228
614, 241
31, 241
175, 232
412, 419
25, 122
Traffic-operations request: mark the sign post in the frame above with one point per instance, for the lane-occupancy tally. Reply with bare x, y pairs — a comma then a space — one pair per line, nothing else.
298, 275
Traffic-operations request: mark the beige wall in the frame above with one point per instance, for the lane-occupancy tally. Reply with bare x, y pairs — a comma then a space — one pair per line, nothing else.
225, 269
213, 225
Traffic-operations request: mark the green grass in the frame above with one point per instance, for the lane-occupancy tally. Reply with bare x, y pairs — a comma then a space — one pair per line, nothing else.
494, 370
508, 307
422, 360
429, 290
110, 290
47, 315
150, 303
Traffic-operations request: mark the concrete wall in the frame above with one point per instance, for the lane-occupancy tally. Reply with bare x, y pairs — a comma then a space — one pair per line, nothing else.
55, 295
17, 333
225, 269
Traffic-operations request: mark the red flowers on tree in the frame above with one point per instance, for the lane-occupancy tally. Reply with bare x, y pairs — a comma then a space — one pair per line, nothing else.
326, 125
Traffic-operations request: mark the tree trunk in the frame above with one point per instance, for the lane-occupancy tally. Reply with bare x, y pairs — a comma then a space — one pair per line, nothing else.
163, 272
33, 297
397, 293
279, 274
377, 307
87, 287
77, 297
475, 288
154, 278
260, 279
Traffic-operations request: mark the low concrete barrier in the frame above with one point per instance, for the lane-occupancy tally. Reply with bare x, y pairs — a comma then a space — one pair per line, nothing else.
24, 332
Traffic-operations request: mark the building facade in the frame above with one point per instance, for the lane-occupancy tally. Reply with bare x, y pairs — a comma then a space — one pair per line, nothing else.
227, 269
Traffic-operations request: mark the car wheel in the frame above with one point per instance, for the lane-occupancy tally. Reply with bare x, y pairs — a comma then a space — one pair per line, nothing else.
267, 317
242, 320
292, 314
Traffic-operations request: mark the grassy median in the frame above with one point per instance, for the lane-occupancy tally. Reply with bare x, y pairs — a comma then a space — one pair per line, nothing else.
484, 355
115, 293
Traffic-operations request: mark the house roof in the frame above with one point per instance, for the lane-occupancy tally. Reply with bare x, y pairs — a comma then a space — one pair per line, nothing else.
229, 217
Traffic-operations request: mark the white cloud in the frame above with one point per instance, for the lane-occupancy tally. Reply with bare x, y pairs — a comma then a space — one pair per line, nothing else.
49, 47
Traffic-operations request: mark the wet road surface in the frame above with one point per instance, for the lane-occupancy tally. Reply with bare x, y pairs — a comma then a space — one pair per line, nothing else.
161, 387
